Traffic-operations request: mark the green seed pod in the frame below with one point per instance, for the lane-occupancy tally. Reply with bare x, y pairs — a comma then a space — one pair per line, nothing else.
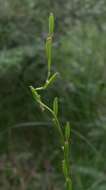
66, 151
55, 106
35, 94
67, 131
49, 52
51, 24
51, 80
64, 166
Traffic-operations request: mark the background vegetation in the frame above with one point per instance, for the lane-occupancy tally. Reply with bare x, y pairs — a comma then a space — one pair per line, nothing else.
29, 150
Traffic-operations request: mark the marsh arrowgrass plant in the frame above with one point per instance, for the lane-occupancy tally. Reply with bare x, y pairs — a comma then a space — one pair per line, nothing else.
64, 132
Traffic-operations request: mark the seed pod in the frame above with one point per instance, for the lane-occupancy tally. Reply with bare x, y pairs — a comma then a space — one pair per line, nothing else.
49, 52
55, 106
51, 80
67, 131
35, 94
51, 24
66, 151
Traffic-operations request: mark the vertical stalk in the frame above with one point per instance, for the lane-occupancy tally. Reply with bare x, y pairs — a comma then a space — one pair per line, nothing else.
64, 137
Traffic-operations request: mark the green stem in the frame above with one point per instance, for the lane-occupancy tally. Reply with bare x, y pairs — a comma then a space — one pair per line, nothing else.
57, 123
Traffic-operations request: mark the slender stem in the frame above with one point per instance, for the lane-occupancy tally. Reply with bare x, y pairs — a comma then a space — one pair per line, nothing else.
55, 120
63, 138
65, 146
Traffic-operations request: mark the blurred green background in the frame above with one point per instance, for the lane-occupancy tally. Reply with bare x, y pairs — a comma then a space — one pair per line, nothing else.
30, 157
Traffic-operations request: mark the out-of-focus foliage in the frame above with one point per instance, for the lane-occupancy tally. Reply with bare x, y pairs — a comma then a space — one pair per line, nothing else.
79, 56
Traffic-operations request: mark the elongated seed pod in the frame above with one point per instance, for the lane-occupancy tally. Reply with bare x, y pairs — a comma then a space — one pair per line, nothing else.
51, 24
36, 96
49, 52
51, 80
66, 151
